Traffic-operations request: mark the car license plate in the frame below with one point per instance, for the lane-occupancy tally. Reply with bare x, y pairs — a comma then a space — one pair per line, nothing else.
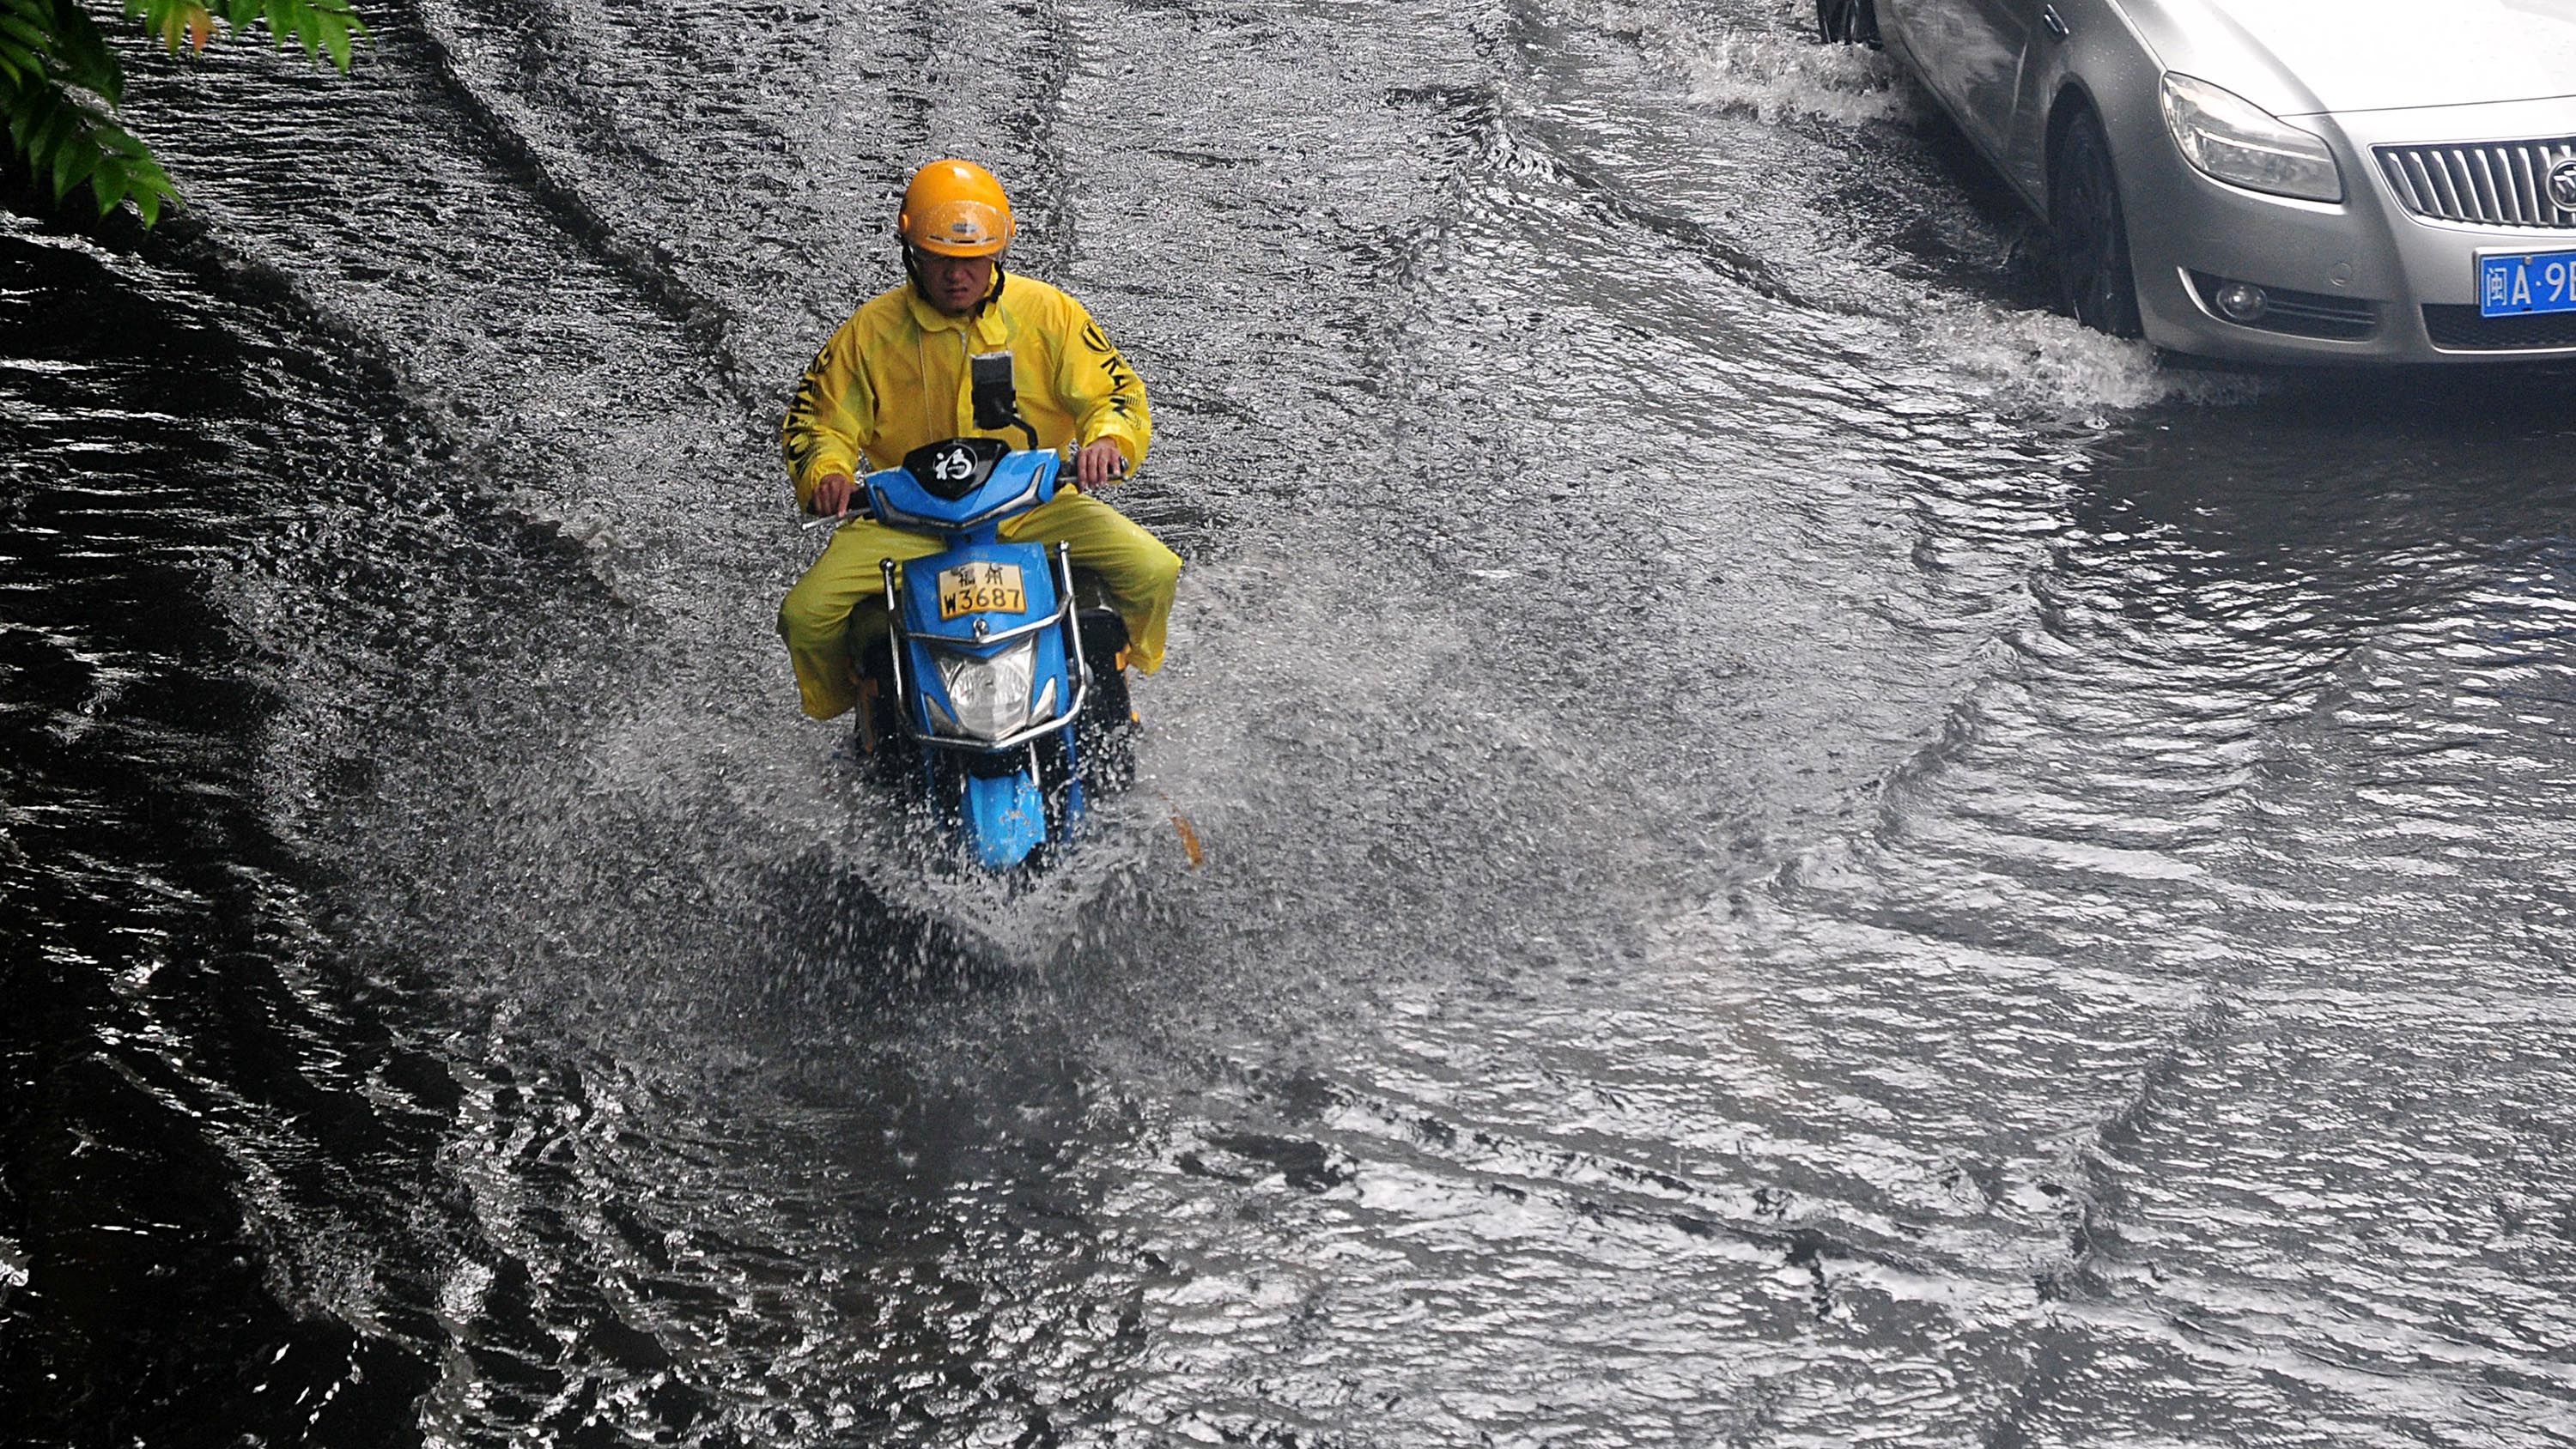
2512, 285
981, 588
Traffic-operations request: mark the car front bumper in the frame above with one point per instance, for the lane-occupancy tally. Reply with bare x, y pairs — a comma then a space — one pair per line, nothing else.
2368, 280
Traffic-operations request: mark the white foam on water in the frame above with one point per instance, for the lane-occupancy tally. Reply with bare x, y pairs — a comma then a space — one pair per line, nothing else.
2029, 364
1778, 70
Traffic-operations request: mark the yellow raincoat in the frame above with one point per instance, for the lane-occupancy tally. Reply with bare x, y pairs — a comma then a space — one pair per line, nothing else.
894, 377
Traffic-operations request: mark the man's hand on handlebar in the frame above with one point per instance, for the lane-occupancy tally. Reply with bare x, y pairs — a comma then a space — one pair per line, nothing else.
1099, 465
831, 494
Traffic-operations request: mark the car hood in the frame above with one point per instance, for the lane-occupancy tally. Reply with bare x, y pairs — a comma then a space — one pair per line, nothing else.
2301, 57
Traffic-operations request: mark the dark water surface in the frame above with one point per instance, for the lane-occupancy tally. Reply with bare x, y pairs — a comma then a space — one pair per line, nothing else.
1798, 852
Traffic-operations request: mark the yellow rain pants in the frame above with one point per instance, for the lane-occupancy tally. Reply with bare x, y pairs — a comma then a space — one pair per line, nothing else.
894, 377
816, 618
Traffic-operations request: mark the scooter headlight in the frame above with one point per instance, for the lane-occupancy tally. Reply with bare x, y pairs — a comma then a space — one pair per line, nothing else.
988, 696
2239, 142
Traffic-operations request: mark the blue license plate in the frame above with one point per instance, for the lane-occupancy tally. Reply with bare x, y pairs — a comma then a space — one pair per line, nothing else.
2510, 286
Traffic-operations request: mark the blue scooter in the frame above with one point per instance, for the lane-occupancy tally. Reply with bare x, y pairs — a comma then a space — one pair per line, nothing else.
1003, 667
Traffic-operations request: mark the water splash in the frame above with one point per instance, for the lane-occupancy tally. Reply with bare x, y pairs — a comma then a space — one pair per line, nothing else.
1773, 67
2032, 365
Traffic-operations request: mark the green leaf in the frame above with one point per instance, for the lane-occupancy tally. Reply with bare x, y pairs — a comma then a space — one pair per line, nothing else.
73, 165
29, 24
167, 22
151, 187
83, 54
31, 109
61, 81
115, 140
50, 134
109, 184
17, 27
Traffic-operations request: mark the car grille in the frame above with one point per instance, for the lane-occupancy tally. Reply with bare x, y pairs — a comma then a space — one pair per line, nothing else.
2505, 183
2462, 329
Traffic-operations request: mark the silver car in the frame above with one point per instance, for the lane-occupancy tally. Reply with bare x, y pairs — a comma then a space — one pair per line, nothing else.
2277, 180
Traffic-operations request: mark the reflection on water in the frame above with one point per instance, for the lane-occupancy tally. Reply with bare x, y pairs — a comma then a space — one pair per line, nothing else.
1797, 851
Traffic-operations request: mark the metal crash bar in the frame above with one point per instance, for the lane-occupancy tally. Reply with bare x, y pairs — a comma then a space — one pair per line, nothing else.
1065, 614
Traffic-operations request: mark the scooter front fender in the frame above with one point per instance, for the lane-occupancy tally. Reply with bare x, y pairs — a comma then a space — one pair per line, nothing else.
1003, 818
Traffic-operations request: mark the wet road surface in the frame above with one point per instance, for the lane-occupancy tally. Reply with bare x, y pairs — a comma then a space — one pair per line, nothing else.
1798, 852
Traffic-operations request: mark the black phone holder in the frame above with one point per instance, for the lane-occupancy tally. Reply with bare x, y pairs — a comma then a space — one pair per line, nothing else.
997, 395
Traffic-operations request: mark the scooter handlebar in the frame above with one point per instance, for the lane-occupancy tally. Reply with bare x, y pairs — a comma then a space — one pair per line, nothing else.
808, 520
861, 504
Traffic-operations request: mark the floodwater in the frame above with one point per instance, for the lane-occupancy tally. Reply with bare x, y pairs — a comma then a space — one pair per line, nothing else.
1797, 852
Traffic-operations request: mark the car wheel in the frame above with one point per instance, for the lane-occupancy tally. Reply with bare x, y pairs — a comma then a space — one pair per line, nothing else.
2088, 234
1847, 22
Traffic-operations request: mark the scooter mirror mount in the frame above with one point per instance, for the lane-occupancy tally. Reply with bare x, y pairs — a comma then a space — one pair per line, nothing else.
997, 395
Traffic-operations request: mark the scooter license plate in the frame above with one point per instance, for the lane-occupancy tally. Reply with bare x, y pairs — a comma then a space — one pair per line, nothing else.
2514, 284
981, 588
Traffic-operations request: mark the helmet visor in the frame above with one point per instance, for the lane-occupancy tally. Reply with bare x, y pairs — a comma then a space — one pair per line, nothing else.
959, 228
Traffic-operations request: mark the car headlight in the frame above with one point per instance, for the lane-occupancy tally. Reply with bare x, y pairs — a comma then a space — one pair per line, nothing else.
2239, 142
989, 694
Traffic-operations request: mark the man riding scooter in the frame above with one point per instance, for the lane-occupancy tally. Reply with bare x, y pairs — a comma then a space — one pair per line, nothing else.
896, 376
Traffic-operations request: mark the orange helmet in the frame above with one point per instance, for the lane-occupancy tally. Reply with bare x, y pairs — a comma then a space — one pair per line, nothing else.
955, 208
